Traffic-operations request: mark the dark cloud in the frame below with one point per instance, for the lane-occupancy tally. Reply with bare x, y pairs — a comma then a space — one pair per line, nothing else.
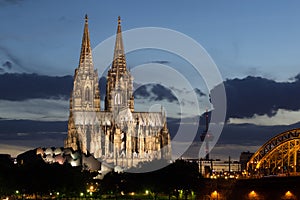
157, 92
256, 95
164, 62
13, 61
249, 134
162, 92
7, 64
199, 92
245, 97
32, 133
14, 126
18, 87
154, 92
237, 137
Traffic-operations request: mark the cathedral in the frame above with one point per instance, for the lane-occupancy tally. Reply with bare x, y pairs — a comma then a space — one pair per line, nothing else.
117, 134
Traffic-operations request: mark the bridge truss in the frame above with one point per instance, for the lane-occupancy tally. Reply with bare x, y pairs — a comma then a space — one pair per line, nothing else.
278, 156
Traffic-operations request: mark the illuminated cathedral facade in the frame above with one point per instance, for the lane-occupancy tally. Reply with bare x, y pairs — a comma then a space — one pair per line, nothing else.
117, 134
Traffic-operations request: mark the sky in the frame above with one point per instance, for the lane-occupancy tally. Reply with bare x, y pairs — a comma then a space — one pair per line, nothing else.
242, 38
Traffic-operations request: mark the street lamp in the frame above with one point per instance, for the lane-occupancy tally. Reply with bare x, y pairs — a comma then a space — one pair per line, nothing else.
17, 193
252, 195
289, 195
215, 195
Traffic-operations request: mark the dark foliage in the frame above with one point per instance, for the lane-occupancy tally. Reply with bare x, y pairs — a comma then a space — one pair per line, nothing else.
178, 176
39, 178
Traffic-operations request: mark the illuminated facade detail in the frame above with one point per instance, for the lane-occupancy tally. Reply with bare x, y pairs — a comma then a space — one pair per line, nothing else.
279, 155
117, 134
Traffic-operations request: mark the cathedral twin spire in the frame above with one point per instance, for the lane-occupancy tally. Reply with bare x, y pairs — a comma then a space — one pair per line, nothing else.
100, 132
86, 50
119, 86
119, 61
118, 77
119, 48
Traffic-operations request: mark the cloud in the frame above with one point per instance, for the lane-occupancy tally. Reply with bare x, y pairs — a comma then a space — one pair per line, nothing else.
178, 102
17, 136
154, 92
163, 62
14, 129
10, 63
255, 95
235, 138
18, 87
282, 117
35, 109
250, 134
7, 65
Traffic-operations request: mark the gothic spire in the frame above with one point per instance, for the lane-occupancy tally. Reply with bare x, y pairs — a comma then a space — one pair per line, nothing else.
86, 51
119, 62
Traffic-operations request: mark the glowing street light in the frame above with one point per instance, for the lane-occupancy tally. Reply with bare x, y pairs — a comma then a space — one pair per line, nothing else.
289, 195
252, 195
91, 188
215, 195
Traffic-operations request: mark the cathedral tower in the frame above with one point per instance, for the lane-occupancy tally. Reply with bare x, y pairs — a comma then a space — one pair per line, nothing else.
85, 98
86, 94
119, 86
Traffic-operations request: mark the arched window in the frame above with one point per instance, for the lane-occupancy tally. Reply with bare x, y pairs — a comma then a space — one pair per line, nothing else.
117, 99
87, 94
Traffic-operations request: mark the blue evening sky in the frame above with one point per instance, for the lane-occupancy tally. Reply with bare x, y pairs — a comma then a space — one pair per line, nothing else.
260, 38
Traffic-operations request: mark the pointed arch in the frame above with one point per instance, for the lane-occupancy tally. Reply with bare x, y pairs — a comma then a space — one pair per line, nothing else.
87, 94
118, 99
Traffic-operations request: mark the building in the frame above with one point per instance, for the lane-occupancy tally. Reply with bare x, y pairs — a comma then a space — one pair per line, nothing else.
62, 155
217, 168
244, 158
117, 134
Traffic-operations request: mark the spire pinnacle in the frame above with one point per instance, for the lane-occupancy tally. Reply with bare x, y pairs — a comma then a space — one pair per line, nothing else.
86, 51
119, 20
86, 18
119, 62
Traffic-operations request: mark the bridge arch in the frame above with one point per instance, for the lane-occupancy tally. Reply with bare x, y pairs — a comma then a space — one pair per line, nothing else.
278, 156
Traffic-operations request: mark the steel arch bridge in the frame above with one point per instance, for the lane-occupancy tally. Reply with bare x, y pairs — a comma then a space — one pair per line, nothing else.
278, 156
